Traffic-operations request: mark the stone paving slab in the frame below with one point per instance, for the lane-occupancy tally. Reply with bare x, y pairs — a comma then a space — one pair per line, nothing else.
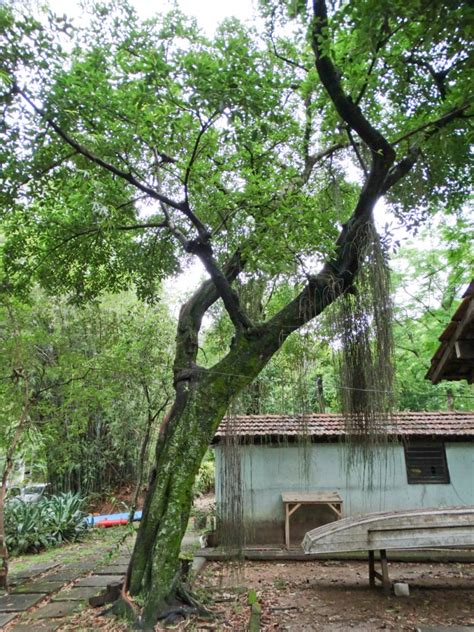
64, 576
18, 603
122, 559
98, 580
6, 618
55, 610
14, 581
84, 564
113, 569
41, 586
36, 569
48, 625
81, 593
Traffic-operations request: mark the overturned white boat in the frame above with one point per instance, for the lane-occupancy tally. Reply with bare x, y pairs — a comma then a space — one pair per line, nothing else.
404, 529
449, 527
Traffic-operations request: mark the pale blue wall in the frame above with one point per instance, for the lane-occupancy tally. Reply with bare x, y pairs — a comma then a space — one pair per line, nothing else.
269, 470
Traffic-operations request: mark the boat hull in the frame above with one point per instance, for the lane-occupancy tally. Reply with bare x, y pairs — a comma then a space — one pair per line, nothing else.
410, 529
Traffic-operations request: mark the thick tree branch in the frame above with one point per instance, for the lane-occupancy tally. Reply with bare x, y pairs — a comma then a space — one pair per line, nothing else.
314, 159
357, 152
439, 76
192, 312
207, 125
80, 149
350, 113
200, 247
436, 123
402, 168
339, 272
229, 297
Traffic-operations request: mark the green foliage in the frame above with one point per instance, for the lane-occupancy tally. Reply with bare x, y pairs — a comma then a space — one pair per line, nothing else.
205, 479
139, 95
429, 285
65, 517
94, 375
31, 527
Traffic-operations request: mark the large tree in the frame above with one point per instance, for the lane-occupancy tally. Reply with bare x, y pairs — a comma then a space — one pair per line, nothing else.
131, 146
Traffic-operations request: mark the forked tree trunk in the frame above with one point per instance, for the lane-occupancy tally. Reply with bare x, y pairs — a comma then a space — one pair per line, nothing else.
200, 405
202, 398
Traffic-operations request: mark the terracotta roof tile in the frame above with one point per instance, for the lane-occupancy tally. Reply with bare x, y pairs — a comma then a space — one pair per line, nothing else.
448, 424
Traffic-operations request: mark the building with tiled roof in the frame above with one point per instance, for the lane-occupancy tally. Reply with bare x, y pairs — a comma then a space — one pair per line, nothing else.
428, 461
454, 358
455, 425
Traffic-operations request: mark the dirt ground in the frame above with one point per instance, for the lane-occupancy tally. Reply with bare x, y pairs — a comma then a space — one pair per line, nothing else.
335, 596
322, 596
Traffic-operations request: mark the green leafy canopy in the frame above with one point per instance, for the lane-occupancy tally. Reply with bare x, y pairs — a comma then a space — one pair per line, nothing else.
234, 127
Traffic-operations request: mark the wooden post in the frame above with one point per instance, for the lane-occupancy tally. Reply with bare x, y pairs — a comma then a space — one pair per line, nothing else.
287, 526
371, 569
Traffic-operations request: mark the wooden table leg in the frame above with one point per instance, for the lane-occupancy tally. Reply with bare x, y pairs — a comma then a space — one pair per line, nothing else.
371, 569
287, 526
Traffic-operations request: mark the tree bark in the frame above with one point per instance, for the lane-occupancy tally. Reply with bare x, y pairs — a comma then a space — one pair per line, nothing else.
9, 461
202, 398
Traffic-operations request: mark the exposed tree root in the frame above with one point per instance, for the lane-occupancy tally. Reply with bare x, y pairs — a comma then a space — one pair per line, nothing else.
182, 605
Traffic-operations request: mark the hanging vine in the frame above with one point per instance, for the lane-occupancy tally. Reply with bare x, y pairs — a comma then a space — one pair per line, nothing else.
362, 324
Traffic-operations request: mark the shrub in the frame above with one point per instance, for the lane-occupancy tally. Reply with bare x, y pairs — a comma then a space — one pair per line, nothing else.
30, 527
25, 527
205, 479
65, 517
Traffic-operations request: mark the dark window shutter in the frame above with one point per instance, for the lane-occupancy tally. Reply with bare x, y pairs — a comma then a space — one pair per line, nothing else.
426, 463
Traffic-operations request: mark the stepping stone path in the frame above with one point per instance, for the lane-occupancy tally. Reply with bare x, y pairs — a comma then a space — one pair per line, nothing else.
18, 603
39, 586
99, 581
63, 590
56, 610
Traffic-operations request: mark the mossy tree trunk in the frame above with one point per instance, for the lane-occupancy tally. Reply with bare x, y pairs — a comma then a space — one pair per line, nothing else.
202, 398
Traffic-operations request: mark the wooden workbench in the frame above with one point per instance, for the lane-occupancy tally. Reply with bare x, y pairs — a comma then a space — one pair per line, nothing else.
292, 501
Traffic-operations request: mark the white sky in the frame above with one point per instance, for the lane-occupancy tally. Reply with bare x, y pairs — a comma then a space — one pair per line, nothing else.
209, 13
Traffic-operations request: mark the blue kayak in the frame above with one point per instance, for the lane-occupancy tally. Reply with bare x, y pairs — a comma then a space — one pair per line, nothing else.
112, 520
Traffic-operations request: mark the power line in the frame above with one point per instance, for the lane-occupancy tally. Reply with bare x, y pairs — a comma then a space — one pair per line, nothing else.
352, 388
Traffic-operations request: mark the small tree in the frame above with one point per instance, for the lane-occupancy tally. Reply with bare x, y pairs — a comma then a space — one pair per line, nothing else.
132, 146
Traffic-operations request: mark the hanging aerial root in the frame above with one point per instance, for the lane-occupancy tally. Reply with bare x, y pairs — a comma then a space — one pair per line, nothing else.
362, 325
231, 516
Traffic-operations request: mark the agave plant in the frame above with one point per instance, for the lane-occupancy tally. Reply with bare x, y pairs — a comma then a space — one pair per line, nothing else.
31, 527
65, 517
26, 527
